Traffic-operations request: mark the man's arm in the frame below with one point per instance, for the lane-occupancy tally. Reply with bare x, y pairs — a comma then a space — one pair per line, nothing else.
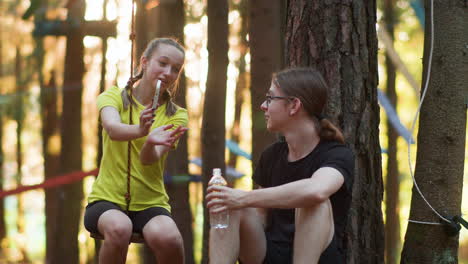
303, 193
316, 189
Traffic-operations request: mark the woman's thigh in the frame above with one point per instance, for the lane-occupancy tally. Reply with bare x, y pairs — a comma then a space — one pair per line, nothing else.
141, 218
94, 212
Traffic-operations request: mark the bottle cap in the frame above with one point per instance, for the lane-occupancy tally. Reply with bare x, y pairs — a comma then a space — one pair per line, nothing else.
216, 172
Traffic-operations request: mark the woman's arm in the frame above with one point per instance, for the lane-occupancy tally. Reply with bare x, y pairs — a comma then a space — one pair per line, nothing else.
160, 141
119, 131
303, 193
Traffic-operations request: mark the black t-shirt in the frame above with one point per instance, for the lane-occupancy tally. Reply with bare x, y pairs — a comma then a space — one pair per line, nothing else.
274, 169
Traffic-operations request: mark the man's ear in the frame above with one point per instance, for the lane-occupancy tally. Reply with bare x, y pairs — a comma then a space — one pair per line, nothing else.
295, 106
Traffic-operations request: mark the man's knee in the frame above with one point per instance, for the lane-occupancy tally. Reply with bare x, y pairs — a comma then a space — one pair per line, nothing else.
319, 211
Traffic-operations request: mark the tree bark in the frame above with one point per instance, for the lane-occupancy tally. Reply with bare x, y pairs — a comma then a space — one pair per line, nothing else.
441, 137
50, 126
19, 118
242, 79
141, 28
339, 39
214, 108
392, 188
266, 45
70, 196
2, 154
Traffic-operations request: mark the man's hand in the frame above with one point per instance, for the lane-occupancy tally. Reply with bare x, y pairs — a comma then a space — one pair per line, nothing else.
221, 198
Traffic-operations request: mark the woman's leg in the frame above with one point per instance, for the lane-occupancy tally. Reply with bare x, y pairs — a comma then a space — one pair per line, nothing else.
244, 238
163, 237
116, 228
110, 221
314, 232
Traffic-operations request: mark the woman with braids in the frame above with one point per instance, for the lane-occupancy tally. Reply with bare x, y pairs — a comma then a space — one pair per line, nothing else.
119, 203
298, 213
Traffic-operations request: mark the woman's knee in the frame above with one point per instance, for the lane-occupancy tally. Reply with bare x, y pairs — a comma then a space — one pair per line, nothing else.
115, 228
163, 234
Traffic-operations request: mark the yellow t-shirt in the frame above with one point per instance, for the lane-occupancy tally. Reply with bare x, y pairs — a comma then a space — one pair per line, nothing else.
147, 183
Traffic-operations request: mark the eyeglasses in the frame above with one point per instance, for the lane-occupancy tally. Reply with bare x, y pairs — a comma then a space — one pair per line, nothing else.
269, 98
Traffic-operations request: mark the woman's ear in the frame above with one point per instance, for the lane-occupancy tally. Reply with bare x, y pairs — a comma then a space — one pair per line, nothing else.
143, 62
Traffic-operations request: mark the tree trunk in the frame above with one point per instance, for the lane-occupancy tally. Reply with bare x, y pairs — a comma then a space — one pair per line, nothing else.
2, 154
70, 196
392, 188
19, 117
242, 79
342, 44
50, 126
141, 28
441, 137
266, 47
214, 108
2, 201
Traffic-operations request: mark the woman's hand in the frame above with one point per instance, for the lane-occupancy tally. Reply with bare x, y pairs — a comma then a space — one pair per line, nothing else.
165, 137
146, 120
221, 198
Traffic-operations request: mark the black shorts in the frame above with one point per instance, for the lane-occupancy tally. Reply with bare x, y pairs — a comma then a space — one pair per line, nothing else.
282, 253
139, 219
278, 252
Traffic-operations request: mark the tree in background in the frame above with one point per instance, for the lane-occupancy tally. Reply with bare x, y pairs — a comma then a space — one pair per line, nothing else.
71, 196
441, 136
392, 186
214, 108
243, 77
2, 154
266, 45
340, 41
19, 116
50, 127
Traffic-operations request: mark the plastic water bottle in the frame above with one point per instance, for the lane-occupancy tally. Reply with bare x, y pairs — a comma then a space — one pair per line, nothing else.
219, 220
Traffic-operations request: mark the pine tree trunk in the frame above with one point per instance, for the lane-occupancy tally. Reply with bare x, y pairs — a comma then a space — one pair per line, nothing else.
392, 188
50, 126
19, 117
141, 28
242, 80
2, 180
340, 41
441, 137
2, 201
214, 108
70, 196
266, 47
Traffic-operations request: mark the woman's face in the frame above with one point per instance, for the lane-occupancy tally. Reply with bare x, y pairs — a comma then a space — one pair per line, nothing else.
165, 64
275, 107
